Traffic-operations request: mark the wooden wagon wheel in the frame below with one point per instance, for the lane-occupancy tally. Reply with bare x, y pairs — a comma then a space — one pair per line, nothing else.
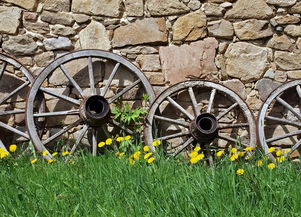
279, 120
15, 82
90, 83
199, 113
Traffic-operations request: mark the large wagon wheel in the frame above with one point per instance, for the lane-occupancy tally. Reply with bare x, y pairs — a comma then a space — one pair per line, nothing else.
15, 82
84, 85
201, 113
279, 120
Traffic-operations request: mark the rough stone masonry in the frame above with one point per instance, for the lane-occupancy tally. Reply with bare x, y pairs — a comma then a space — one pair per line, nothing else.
246, 45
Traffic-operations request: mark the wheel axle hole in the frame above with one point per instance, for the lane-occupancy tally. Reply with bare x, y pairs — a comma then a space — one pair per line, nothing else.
96, 105
205, 124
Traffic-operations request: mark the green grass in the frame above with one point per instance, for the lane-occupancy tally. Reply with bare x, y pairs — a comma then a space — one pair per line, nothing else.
107, 186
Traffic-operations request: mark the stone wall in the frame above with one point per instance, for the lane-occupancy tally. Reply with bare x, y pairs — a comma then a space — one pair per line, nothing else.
249, 45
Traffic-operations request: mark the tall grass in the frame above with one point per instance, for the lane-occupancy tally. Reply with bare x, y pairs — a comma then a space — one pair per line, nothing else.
107, 186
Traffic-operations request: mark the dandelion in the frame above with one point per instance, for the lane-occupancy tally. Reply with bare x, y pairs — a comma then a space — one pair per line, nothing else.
233, 150
121, 154
146, 156
132, 161
194, 160
101, 144
2, 150
136, 155
193, 154
45, 153
156, 143
34, 160
278, 152
286, 151
71, 162
280, 159
119, 139
54, 154
146, 148
117, 153
198, 148
240, 171
272, 149
220, 153
249, 149
248, 158
127, 138
271, 166
200, 156
234, 157
4, 154
150, 160
241, 154
50, 161
259, 163
12, 148
109, 141
65, 153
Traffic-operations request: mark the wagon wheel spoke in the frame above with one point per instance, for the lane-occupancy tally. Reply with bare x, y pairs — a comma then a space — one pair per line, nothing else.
73, 82
183, 146
211, 100
14, 92
112, 75
226, 138
94, 142
296, 146
60, 113
12, 112
179, 107
172, 136
298, 132
120, 126
283, 121
2, 145
289, 107
14, 130
80, 137
3, 69
226, 111
298, 88
128, 88
194, 102
91, 76
173, 121
61, 96
239, 125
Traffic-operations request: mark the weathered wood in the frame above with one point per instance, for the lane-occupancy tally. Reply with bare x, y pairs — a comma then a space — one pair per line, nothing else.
173, 121
112, 75
73, 82
4, 99
128, 88
211, 100
60, 113
194, 102
91, 76
183, 146
79, 139
180, 108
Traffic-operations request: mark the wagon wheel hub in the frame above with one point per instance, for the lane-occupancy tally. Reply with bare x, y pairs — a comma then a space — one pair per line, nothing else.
95, 110
204, 128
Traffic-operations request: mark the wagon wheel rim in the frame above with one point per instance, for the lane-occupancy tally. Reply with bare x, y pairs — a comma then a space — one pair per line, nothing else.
23, 79
265, 116
188, 124
83, 101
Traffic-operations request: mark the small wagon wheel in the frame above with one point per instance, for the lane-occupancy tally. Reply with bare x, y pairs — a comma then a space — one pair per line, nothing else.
85, 85
15, 82
201, 113
279, 120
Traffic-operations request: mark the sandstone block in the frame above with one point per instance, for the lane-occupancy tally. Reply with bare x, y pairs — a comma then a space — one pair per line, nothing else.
194, 60
57, 18
149, 63
190, 27
282, 3
81, 18
108, 8
10, 19
20, 45
62, 30
57, 5
280, 42
212, 9
30, 16
37, 27
167, 7
265, 87
246, 61
27, 4
134, 7
94, 36
149, 30
60, 43
44, 58
237, 86
294, 74
221, 29
293, 30
246, 9
288, 60
194, 5
287, 19
296, 9
252, 29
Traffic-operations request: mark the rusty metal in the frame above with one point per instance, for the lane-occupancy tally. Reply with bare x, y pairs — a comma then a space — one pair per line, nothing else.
110, 79
201, 113
18, 79
279, 120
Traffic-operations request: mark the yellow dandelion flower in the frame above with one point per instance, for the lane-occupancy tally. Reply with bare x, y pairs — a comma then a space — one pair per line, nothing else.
247, 158
45, 153
193, 154
200, 156
119, 139
34, 160
146, 148
156, 142
220, 153
50, 161
286, 151
241, 154
271, 166
2, 150
146, 156
278, 152
12, 148
71, 162
249, 149
198, 148
137, 155
280, 159
240, 171
127, 138
117, 153
101, 144
132, 161
150, 160
272, 149
65, 153
233, 150
194, 160
234, 157
259, 163
4, 154
121, 154
55, 154
109, 141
